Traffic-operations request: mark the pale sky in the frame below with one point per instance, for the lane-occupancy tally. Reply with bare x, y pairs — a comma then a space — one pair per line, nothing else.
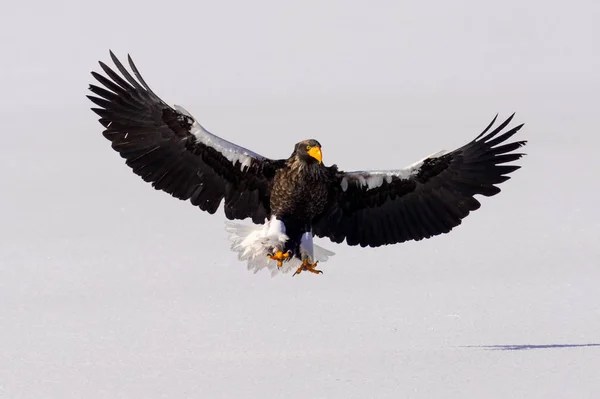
110, 289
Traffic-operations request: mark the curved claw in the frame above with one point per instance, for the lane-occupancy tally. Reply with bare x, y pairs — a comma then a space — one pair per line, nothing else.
309, 267
280, 257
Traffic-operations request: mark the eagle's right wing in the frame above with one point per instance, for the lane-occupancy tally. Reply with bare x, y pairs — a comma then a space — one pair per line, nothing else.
169, 148
427, 198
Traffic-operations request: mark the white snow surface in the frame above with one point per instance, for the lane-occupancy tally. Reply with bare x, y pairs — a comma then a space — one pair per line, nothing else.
111, 289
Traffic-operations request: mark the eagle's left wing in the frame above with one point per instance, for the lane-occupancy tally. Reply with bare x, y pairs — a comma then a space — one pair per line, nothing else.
167, 147
428, 198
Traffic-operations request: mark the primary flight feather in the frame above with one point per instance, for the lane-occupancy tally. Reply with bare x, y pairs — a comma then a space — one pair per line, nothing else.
291, 200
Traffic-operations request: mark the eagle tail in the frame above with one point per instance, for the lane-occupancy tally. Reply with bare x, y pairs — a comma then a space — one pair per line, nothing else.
252, 244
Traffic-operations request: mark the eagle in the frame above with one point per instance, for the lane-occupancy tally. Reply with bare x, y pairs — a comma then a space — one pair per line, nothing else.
293, 199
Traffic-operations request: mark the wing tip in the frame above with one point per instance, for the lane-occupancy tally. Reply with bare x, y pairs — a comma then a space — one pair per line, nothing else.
499, 128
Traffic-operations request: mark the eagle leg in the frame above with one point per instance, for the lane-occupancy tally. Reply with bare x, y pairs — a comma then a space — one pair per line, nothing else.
280, 257
308, 266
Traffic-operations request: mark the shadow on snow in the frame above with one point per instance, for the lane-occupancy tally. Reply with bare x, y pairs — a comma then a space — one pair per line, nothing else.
528, 347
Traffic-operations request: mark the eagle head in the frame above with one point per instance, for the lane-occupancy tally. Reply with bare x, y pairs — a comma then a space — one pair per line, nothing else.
308, 151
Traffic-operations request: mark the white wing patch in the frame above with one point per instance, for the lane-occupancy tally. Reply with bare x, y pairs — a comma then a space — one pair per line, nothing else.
375, 178
232, 152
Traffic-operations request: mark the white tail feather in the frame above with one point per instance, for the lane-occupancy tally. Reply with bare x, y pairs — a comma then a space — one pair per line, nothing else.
252, 243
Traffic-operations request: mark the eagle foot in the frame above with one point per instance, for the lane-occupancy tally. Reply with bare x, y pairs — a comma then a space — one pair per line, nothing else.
309, 267
280, 257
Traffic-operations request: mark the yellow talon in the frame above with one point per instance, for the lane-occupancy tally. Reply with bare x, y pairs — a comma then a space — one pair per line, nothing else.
309, 267
280, 257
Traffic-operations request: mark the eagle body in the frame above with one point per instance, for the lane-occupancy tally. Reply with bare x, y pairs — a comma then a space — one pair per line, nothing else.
289, 201
299, 194
300, 191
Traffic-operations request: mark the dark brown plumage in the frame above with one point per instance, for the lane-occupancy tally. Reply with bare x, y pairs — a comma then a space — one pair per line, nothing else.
167, 147
300, 192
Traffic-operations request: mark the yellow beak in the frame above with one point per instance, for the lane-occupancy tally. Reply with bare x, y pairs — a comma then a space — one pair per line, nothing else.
315, 152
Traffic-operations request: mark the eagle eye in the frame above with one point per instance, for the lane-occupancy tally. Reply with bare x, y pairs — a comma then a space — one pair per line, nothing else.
308, 147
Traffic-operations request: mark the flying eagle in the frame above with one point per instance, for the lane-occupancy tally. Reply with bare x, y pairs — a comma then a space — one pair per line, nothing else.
291, 200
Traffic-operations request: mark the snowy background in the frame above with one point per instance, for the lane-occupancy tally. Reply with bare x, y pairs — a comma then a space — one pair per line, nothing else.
109, 289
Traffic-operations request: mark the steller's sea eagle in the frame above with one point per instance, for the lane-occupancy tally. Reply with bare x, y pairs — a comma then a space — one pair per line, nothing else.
291, 200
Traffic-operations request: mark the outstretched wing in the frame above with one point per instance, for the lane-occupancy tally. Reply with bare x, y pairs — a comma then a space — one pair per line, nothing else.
427, 198
170, 149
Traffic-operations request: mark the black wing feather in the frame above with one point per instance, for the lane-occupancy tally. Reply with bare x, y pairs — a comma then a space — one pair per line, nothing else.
158, 144
431, 200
